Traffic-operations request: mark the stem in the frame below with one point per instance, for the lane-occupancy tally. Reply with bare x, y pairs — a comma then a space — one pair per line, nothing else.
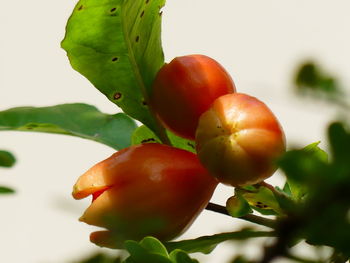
250, 218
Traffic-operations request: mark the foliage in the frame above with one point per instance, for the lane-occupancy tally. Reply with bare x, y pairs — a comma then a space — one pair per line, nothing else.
116, 44
77, 119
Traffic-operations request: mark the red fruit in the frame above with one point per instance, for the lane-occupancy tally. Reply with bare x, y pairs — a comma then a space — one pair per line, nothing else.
238, 139
185, 88
149, 189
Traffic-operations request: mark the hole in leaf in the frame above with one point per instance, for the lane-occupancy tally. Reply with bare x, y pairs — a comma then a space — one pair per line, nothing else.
148, 140
115, 59
143, 12
113, 9
117, 96
80, 7
147, 1
137, 38
191, 145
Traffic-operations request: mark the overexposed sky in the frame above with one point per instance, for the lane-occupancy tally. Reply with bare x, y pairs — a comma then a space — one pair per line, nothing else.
258, 42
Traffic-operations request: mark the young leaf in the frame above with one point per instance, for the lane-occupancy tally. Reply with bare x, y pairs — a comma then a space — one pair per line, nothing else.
116, 44
7, 159
260, 199
139, 254
144, 135
78, 119
237, 206
154, 246
206, 244
6, 190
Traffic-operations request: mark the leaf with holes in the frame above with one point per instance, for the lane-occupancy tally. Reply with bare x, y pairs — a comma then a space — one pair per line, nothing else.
116, 44
6, 159
144, 135
260, 199
78, 119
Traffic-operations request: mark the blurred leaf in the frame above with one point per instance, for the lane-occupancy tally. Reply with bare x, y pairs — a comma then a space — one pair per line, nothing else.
323, 216
260, 199
145, 254
153, 245
179, 256
298, 188
117, 46
6, 190
100, 258
7, 159
78, 119
237, 206
310, 77
144, 135
206, 244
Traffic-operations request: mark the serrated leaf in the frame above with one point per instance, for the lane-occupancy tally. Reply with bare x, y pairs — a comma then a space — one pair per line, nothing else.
179, 256
77, 119
237, 206
7, 159
153, 245
6, 190
116, 44
206, 244
144, 135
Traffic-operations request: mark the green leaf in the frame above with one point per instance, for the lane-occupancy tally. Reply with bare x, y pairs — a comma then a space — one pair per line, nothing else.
79, 120
6, 190
260, 199
206, 244
139, 254
154, 246
237, 206
100, 258
310, 77
144, 135
7, 159
179, 256
116, 44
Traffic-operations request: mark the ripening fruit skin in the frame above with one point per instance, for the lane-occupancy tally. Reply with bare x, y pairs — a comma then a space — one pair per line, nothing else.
185, 88
238, 139
148, 189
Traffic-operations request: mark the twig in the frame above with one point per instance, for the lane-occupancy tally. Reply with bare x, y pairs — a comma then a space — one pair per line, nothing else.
250, 218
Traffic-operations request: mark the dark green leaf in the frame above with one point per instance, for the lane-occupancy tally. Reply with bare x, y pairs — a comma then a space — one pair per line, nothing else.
6, 190
206, 244
179, 256
78, 119
311, 78
100, 258
144, 135
237, 206
7, 159
116, 44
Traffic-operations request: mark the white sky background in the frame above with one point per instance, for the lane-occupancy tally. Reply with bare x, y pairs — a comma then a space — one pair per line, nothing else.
258, 42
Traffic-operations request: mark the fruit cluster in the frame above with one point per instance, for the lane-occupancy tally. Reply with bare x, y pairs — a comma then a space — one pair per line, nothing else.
154, 189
